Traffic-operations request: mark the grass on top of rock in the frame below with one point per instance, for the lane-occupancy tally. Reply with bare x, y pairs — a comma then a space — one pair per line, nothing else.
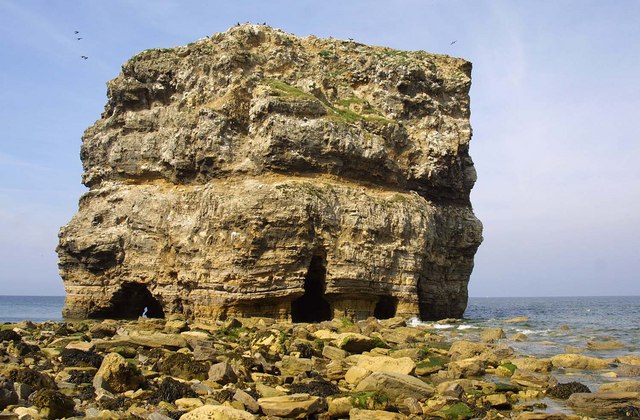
284, 90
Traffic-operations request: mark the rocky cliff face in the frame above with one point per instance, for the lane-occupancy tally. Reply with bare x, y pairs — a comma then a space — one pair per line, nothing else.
257, 173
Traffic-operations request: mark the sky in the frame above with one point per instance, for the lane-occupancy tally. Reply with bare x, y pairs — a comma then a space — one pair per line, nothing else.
555, 105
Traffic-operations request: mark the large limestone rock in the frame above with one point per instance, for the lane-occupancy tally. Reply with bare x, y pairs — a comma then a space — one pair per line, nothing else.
254, 173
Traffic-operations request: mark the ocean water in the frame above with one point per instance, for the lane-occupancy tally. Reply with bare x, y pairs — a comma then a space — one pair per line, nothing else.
33, 308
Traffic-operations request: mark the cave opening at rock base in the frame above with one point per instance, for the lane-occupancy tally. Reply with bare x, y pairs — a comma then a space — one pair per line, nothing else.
312, 305
386, 307
131, 301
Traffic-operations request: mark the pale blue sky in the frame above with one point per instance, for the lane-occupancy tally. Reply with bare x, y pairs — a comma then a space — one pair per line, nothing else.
555, 113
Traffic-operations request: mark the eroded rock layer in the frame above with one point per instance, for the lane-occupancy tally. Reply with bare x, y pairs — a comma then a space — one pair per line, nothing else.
254, 173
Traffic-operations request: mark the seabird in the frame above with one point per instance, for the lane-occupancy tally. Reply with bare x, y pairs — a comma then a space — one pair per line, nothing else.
78, 39
84, 57
454, 42
76, 32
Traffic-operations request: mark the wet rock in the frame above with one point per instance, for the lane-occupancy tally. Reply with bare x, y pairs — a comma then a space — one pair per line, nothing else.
621, 386
490, 335
517, 320
52, 404
564, 391
533, 379
490, 353
542, 416
532, 364
396, 385
292, 406
498, 401
117, 375
519, 337
183, 366
222, 373
578, 361
629, 360
604, 344
216, 412
628, 370
604, 403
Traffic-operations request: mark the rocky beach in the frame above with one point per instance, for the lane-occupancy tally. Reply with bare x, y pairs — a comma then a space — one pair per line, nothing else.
245, 368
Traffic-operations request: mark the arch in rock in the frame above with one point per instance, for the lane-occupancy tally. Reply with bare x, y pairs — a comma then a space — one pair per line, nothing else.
386, 307
129, 302
312, 306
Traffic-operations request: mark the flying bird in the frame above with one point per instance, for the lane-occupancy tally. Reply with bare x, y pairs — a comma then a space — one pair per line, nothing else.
78, 39
454, 42
84, 57
76, 32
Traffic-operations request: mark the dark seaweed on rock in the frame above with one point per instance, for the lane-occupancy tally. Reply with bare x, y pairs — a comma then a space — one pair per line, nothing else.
33, 378
9, 335
319, 387
170, 390
564, 391
79, 358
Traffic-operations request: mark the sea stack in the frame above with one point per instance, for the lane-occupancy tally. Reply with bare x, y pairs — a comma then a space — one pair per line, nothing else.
255, 173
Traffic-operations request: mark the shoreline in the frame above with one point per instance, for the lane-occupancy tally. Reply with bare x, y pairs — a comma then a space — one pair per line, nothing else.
256, 367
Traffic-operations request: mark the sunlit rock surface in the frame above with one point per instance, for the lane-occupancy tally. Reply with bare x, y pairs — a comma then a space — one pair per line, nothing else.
255, 173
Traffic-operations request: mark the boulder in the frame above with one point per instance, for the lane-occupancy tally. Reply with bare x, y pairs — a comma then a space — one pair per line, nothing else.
491, 335
628, 370
396, 385
222, 373
605, 403
360, 414
466, 368
533, 379
52, 404
355, 343
402, 365
621, 386
579, 361
292, 406
604, 345
631, 359
532, 364
216, 412
116, 374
